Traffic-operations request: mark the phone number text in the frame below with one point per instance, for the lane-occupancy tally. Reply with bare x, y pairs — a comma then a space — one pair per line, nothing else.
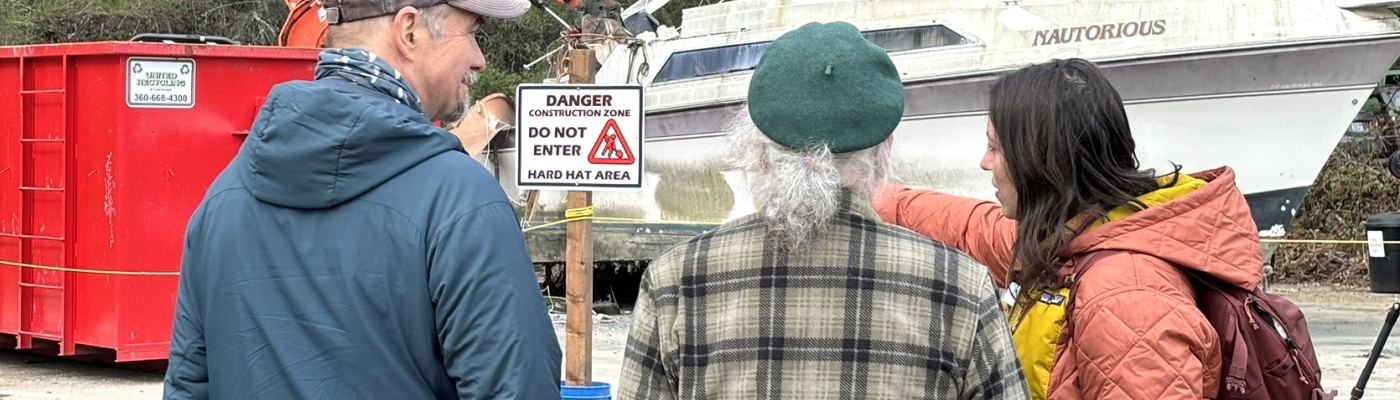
160, 98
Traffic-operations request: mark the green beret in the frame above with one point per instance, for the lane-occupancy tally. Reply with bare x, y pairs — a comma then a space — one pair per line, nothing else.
825, 83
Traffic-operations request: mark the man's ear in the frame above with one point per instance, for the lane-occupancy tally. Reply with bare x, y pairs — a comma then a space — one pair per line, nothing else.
405, 27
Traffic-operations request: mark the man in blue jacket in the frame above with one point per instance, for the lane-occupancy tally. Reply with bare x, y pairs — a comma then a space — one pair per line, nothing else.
352, 250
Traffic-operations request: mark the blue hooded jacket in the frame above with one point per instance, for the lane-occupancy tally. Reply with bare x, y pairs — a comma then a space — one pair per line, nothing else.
352, 250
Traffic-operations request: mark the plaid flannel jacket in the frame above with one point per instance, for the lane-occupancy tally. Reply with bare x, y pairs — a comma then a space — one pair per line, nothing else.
866, 310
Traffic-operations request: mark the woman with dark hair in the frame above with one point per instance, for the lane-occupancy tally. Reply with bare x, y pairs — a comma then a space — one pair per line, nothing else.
1069, 184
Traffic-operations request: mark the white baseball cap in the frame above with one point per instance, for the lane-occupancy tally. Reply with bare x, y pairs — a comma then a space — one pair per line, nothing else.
342, 11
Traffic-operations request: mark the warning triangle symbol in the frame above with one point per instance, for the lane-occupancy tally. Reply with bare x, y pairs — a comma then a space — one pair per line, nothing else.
611, 147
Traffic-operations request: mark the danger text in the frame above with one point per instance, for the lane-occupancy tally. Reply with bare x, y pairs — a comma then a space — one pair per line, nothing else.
575, 100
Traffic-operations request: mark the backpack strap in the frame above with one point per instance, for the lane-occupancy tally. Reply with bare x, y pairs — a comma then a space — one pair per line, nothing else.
1081, 266
1204, 279
1239, 362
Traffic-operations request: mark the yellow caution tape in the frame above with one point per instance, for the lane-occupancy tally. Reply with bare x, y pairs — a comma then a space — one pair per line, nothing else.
578, 212
589, 212
89, 271
586, 213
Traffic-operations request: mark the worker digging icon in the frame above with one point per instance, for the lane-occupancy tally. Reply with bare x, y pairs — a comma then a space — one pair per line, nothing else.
605, 149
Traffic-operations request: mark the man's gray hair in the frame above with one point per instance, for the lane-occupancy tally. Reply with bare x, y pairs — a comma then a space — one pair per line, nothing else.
797, 191
433, 19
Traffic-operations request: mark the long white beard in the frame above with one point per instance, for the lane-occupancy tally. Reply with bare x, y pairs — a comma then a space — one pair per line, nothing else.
798, 191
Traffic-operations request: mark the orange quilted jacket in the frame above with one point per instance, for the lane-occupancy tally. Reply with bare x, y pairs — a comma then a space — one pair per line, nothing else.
1138, 334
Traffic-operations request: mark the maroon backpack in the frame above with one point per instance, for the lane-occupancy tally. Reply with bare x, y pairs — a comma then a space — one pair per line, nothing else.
1266, 351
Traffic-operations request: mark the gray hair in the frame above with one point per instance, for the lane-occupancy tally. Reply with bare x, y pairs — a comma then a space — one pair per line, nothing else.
798, 190
433, 19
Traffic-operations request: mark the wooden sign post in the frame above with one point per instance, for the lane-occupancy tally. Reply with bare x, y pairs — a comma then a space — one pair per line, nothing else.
579, 137
578, 256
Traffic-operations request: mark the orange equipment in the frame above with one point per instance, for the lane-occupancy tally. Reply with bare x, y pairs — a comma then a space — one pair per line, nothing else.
305, 25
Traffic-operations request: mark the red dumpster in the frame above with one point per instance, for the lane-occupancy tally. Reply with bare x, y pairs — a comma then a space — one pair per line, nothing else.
106, 148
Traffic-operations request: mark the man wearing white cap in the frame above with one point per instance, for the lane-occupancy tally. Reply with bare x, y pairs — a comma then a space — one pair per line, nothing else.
352, 249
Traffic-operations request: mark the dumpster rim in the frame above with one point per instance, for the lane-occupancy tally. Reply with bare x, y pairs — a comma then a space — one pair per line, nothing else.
1384, 220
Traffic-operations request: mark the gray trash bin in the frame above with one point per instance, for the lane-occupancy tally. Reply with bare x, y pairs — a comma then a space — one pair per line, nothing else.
1385, 258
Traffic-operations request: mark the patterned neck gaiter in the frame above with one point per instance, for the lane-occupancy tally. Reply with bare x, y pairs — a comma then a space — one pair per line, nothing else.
369, 71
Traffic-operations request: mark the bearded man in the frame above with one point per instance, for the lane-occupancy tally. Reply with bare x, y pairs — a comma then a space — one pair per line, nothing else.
813, 296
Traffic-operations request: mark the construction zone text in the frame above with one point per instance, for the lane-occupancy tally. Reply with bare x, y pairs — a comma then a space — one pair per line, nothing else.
579, 137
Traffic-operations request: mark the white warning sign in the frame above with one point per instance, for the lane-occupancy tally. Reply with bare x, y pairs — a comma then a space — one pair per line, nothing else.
1375, 243
579, 137
159, 83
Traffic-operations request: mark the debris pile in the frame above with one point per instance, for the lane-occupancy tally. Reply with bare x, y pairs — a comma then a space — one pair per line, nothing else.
1352, 186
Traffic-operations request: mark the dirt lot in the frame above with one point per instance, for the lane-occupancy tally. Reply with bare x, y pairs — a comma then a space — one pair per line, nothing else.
1344, 324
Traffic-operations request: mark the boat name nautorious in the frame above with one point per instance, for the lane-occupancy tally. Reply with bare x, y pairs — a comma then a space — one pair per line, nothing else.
1099, 32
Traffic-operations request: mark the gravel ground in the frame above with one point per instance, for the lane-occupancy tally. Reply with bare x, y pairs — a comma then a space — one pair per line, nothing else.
1344, 323
28, 377
609, 339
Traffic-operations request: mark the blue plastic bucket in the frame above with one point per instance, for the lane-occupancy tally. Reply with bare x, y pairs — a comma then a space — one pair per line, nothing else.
596, 391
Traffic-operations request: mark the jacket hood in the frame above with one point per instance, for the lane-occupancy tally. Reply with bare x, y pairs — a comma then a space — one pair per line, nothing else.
1210, 230
318, 144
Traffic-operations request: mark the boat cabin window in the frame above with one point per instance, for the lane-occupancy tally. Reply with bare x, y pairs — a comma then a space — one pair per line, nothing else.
743, 57
710, 61
914, 38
